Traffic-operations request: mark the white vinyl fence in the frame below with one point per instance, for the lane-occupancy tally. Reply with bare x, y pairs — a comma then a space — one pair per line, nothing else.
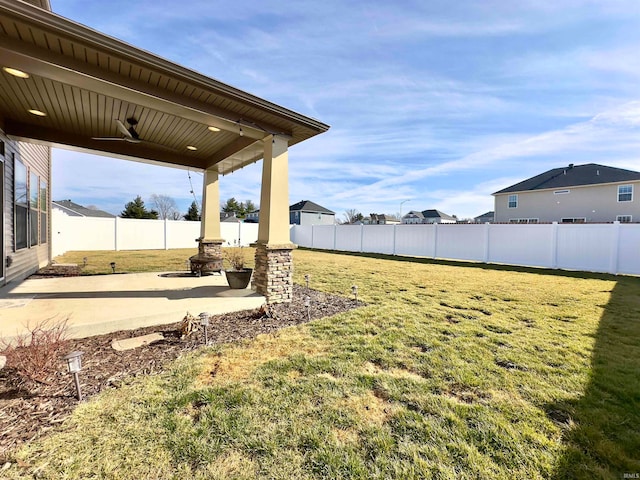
608, 248
87, 233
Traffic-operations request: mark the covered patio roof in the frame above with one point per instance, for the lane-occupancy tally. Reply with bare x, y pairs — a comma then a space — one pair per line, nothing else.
84, 81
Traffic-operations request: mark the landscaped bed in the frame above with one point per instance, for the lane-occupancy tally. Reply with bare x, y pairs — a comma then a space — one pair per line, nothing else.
450, 370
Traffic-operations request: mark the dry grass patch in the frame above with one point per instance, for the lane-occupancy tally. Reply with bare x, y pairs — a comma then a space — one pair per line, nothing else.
239, 363
371, 408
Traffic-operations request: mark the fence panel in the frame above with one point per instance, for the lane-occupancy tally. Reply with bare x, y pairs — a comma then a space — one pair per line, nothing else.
415, 240
349, 238
378, 239
462, 242
134, 234
629, 249
530, 245
302, 236
182, 234
323, 236
585, 247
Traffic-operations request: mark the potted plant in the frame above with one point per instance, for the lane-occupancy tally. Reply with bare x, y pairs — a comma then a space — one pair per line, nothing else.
238, 276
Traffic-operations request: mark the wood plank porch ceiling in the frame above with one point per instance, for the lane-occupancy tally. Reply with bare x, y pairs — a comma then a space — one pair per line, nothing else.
85, 80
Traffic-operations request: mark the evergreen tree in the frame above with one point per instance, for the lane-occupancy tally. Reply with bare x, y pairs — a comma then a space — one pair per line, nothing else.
136, 209
192, 215
231, 206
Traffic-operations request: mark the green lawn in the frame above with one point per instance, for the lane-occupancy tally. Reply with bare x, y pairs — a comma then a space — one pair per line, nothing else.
451, 371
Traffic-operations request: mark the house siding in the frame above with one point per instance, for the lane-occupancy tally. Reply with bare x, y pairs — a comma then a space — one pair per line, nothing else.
594, 203
37, 159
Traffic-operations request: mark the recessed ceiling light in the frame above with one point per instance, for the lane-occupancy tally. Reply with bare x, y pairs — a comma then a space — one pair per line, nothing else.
15, 72
214, 129
39, 113
191, 147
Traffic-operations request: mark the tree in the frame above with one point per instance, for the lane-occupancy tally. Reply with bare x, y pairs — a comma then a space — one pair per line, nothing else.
240, 209
192, 215
165, 206
136, 209
352, 216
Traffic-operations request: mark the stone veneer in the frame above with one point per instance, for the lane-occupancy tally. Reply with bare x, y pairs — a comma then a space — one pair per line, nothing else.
209, 257
273, 272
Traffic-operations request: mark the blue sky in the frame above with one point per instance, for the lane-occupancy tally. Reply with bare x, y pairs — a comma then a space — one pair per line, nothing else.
436, 102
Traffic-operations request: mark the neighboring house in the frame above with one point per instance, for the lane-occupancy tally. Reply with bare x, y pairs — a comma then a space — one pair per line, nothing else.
381, 219
427, 216
74, 210
485, 218
572, 194
306, 212
229, 217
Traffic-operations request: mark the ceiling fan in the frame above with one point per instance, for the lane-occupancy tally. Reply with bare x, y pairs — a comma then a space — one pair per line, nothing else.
128, 134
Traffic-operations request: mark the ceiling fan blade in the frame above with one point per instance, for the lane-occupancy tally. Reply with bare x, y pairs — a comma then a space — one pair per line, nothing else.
132, 140
123, 129
120, 139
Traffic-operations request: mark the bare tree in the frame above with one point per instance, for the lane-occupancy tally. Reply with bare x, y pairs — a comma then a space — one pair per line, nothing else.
165, 206
352, 215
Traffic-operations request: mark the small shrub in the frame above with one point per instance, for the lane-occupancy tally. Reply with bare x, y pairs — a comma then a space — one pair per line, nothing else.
235, 257
36, 354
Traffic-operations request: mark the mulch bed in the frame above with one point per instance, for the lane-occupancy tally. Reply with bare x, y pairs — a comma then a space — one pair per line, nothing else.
30, 409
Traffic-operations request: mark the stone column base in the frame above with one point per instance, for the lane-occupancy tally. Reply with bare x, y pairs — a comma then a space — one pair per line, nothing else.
273, 273
209, 257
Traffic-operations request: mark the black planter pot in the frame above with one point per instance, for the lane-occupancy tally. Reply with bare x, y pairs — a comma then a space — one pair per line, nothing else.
238, 278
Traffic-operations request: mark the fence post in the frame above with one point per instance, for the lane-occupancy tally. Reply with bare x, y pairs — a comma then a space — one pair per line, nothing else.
361, 237
615, 249
435, 240
554, 245
166, 235
115, 234
312, 242
487, 226
394, 239
335, 235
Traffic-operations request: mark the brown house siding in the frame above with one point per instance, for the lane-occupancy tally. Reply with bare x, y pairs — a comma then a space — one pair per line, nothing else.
37, 159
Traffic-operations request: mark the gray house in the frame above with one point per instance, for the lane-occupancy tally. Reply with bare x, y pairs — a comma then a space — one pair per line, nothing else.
305, 212
427, 216
572, 194
485, 217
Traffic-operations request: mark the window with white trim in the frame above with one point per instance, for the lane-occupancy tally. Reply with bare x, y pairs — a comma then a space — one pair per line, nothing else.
523, 220
624, 218
574, 220
625, 193
20, 205
513, 201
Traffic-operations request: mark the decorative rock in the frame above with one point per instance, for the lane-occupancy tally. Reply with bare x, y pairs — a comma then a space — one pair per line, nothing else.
131, 343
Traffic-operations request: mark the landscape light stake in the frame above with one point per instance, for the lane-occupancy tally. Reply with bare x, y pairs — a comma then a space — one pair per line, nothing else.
354, 291
307, 303
204, 321
74, 364
84, 261
306, 279
113, 267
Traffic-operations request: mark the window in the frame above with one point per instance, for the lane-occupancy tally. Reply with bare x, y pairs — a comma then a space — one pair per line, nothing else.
43, 211
523, 220
21, 209
624, 218
33, 209
1, 148
513, 201
574, 220
561, 192
625, 193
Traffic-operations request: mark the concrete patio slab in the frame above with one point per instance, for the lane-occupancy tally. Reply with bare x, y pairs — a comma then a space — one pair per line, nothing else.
94, 305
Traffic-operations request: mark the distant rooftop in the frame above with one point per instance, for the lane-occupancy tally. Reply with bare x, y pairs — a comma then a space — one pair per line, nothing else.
573, 176
76, 210
309, 206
